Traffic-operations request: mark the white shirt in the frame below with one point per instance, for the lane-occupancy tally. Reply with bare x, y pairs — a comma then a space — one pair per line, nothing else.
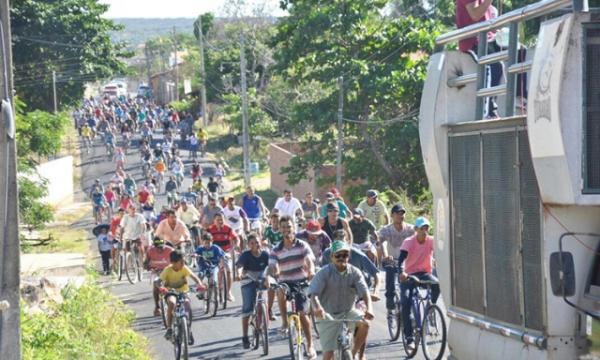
233, 218
133, 226
288, 208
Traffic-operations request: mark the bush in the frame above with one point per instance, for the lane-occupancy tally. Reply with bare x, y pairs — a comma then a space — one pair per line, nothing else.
89, 324
183, 105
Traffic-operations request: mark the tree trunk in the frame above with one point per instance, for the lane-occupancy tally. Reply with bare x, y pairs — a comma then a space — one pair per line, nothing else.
393, 174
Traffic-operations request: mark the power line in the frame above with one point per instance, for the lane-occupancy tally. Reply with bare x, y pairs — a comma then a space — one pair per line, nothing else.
53, 43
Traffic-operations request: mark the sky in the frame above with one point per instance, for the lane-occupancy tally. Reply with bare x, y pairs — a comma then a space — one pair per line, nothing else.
178, 8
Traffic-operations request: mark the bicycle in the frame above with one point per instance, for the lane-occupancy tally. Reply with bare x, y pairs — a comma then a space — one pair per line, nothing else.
294, 330
259, 321
154, 276
394, 318
180, 325
344, 339
130, 263
428, 322
211, 296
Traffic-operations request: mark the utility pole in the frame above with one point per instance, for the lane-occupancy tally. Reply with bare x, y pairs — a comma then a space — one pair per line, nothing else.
202, 74
245, 137
176, 67
147, 54
10, 326
340, 139
54, 90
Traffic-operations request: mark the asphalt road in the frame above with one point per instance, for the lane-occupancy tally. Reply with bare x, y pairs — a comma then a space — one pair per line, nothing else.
218, 337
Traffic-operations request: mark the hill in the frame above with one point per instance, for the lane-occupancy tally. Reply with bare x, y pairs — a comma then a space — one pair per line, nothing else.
138, 30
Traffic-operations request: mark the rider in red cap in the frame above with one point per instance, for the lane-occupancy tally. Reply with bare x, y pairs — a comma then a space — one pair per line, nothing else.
316, 238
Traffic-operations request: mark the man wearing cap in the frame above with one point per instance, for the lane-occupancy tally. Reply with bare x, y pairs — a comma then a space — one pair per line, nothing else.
190, 217
209, 211
361, 261
288, 205
334, 292
374, 209
416, 259
362, 230
330, 198
316, 238
332, 222
391, 237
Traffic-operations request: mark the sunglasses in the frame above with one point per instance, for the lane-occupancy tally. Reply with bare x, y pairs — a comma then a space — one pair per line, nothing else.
342, 255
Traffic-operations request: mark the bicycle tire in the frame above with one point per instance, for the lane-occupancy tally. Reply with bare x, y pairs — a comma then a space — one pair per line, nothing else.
346, 354
130, 268
225, 289
255, 334
207, 298
121, 266
292, 338
394, 322
163, 311
263, 320
433, 318
184, 331
214, 300
138, 263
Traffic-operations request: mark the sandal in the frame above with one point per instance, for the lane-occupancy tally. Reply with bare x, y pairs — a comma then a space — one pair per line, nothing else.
156, 312
311, 355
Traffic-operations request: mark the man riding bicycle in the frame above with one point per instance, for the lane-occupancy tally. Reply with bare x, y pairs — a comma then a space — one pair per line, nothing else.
334, 291
99, 202
172, 230
292, 263
171, 189
209, 211
157, 259
236, 218
363, 231
416, 259
133, 227
190, 217
175, 277
226, 239
255, 208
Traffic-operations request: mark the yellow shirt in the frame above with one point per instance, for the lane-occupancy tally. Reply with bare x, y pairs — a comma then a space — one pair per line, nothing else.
176, 279
85, 131
202, 134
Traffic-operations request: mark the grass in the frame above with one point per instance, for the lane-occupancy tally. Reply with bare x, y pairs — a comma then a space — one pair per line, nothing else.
595, 337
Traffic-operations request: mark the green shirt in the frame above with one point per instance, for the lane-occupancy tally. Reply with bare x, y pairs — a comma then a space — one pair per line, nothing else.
361, 231
273, 237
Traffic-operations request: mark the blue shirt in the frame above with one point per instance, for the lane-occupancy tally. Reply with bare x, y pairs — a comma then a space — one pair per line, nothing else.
252, 206
104, 244
209, 257
250, 262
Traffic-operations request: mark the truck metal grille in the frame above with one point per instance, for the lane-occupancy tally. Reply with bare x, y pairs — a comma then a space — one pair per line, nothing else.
592, 110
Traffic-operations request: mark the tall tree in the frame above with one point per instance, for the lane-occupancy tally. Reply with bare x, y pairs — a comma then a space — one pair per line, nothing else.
383, 62
70, 37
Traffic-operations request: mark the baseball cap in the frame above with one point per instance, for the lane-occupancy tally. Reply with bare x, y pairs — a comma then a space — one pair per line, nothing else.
329, 196
358, 211
421, 221
335, 191
398, 208
184, 201
338, 246
313, 227
332, 207
372, 193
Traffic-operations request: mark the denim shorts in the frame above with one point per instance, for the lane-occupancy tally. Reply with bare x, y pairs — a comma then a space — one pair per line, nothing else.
249, 298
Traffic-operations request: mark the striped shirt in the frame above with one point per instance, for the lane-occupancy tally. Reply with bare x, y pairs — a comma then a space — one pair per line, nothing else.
291, 261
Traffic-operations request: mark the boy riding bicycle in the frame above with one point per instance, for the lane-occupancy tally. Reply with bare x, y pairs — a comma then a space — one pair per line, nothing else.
209, 257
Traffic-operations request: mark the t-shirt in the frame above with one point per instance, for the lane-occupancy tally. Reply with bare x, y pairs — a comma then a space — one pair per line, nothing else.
272, 236
291, 261
222, 237
133, 226
233, 217
176, 279
254, 266
395, 238
419, 256
209, 213
321, 242
209, 257
310, 211
288, 208
252, 206
97, 198
189, 216
159, 258
376, 213
143, 196
361, 230
114, 225
337, 291
213, 186
104, 244
173, 235
463, 19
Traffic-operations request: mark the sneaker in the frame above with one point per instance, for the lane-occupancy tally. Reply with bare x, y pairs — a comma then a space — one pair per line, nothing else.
246, 342
410, 345
272, 316
169, 334
191, 339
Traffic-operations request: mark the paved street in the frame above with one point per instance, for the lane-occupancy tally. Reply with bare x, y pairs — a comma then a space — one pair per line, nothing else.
219, 337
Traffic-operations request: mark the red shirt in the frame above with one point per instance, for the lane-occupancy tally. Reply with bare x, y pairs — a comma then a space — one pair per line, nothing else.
158, 259
143, 196
223, 237
463, 19
125, 203
109, 195
114, 224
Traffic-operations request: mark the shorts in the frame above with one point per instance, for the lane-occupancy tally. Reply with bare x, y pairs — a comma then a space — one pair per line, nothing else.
366, 246
249, 291
299, 291
329, 330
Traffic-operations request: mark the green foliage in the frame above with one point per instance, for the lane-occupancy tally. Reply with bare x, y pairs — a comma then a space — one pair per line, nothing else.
259, 121
90, 324
181, 105
383, 61
32, 211
70, 37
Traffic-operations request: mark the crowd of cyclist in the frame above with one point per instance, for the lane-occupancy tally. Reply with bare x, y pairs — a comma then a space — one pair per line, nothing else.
327, 254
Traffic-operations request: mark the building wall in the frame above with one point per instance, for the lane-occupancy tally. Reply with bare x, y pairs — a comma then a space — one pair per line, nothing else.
59, 174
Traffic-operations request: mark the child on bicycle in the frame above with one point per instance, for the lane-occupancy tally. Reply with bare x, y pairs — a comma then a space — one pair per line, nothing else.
157, 259
209, 256
253, 264
174, 277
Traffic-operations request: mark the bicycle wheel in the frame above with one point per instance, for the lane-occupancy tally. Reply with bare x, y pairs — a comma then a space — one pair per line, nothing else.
262, 319
121, 266
184, 337
255, 334
394, 322
138, 263
130, 268
163, 311
433, 333
225, 289
314, 322
292, 338
346, 354
214, 300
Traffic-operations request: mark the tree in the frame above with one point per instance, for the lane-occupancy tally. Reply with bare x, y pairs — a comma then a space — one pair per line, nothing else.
70, 37
383, 62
